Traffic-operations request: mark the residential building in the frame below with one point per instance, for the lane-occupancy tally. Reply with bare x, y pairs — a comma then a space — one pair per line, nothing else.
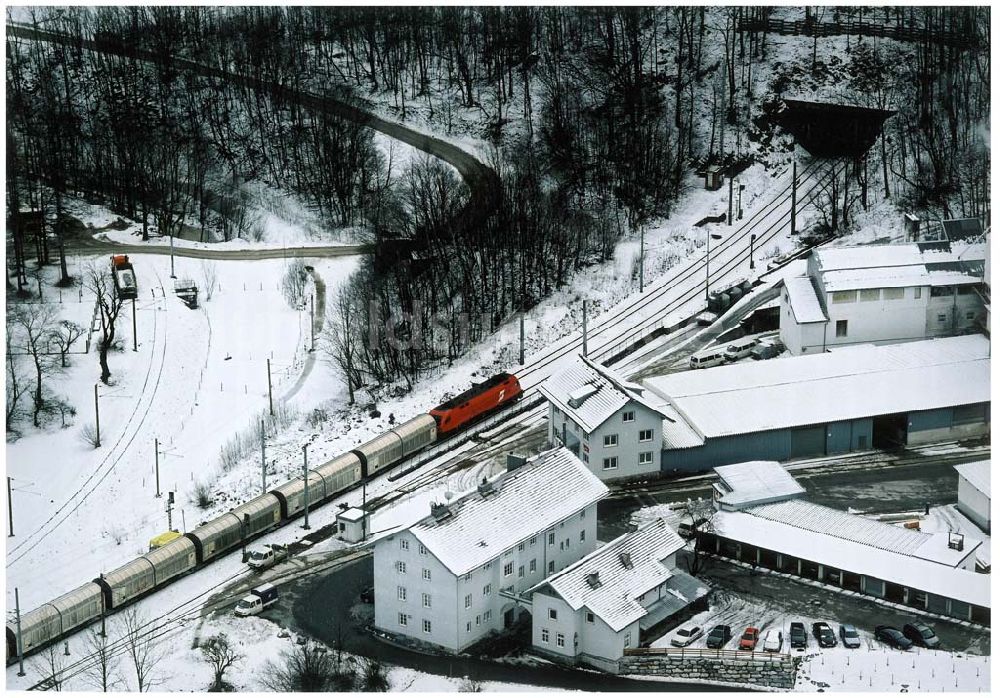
930, 572
605, 420
883, 293
458, 573
595, 609
974, 492
846, 400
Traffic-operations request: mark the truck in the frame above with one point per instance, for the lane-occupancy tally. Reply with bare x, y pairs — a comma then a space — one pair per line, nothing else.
262, 558
264, 596
124, 277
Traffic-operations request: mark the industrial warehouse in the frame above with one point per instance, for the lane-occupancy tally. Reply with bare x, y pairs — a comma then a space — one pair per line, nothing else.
851, 399
770, 526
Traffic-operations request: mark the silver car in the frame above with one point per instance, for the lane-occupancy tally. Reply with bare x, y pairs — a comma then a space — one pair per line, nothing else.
686, 635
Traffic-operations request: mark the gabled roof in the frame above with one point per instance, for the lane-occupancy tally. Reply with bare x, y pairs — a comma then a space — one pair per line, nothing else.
755, 481
900, 265
626, 568
591, 393
804, 301
978, 475
545, 490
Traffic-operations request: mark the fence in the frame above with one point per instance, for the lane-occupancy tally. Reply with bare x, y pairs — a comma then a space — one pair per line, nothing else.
704, 653
817, 29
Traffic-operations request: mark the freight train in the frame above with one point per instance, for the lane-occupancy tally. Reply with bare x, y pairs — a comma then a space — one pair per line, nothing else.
208, 541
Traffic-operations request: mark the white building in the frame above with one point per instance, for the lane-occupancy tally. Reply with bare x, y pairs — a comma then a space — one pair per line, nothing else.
751, 483
883, 293
594, 610
974, 492
605, 420
451, 578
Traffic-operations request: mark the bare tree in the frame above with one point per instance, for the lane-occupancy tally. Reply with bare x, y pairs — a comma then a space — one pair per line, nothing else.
221, 655
303, 669
700, 513
17, 385
34, 324
210, 275
98, 281
374, 675
64, 336
138, 637
339, 344
101, 671
49, 668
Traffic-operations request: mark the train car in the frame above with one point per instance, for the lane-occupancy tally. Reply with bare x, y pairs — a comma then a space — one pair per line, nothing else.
292, 495
51, 620
341, 472
394, 445
124, 277
127, 582
220, 534
476, 402
173, 559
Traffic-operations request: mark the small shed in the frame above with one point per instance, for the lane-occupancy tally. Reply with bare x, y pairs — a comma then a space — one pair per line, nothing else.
714, 176
974, 492
352, 524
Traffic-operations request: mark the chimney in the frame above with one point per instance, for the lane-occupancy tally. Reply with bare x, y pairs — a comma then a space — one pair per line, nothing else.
514, 461
440, 512
593, 580
486, 488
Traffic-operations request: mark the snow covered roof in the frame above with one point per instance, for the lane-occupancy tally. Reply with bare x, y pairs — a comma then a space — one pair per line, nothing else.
894, 266
545, 490
847, 553
755, 482
591, 393
804, 301
978, 475
625, 569
850, 383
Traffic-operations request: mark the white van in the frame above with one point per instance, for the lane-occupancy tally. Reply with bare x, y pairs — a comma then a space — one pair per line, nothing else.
740, 348
709, 357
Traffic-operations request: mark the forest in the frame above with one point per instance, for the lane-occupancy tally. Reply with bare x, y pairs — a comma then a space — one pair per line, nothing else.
594, 117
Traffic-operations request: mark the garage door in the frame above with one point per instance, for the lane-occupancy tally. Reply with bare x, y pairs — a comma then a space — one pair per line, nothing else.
808, 441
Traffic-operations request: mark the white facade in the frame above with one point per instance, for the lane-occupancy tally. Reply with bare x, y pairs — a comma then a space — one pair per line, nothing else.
882, 293
974, 492
433, 582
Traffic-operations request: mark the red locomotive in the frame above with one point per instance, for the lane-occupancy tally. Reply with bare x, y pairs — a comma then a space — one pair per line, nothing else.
477, 401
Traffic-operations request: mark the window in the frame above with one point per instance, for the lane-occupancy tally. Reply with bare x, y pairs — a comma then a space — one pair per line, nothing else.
552, 566
508, 569
841, 328
583, 514
585, 457
870, 294
487, 590
942, 317
560, 640
968, 414
646, 458
942, 291
628, 416
423, 550
508, 553
487, 565
628, 639
427, 600
426, 574
553, 615
402, 619
520, 571
610, 463
545, 634
478, 620
646, 435
567, 543
468, 576
531, 567
427, 626
532, 541
966, 290
610, 440
468, 627
400, 566
468, 600
590, 617
845, 296
552, 538
583, 536
487, 616
520, 547
404, 544
892, 294
401, 593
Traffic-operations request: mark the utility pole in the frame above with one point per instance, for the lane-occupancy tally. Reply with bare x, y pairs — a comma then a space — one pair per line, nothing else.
156, 445
753, 239
135, 339
270, 398
263, 461
305, 476
20, 643
364, 509
521, 318
243, 534
642, 258
708, 257
585, 328
97, 417
170, 512
103, 629
172, 275
10, 507
312, 322
795, 184
730, 200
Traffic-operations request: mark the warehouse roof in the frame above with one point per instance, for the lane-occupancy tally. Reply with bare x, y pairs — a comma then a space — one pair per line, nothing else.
755, 481
850, 383
894, 266
804, 301
591, 393
978, 475
611, 579
477, 527
851, 555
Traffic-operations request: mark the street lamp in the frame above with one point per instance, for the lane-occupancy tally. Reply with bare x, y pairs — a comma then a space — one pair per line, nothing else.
753, 239
708, 250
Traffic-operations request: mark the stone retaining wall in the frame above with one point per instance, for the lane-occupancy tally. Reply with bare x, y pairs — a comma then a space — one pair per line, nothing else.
768, 673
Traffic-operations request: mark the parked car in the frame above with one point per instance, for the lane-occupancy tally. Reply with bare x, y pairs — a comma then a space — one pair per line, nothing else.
849, 636
720, 635
797, 637
892, 636
921, 634
824, 635
687, 529
740, 348
686, 635
748, 640
766, 350
773, 640
262, 597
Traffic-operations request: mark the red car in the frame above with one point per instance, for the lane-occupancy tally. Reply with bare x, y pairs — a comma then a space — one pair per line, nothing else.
748, 640
477, 401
